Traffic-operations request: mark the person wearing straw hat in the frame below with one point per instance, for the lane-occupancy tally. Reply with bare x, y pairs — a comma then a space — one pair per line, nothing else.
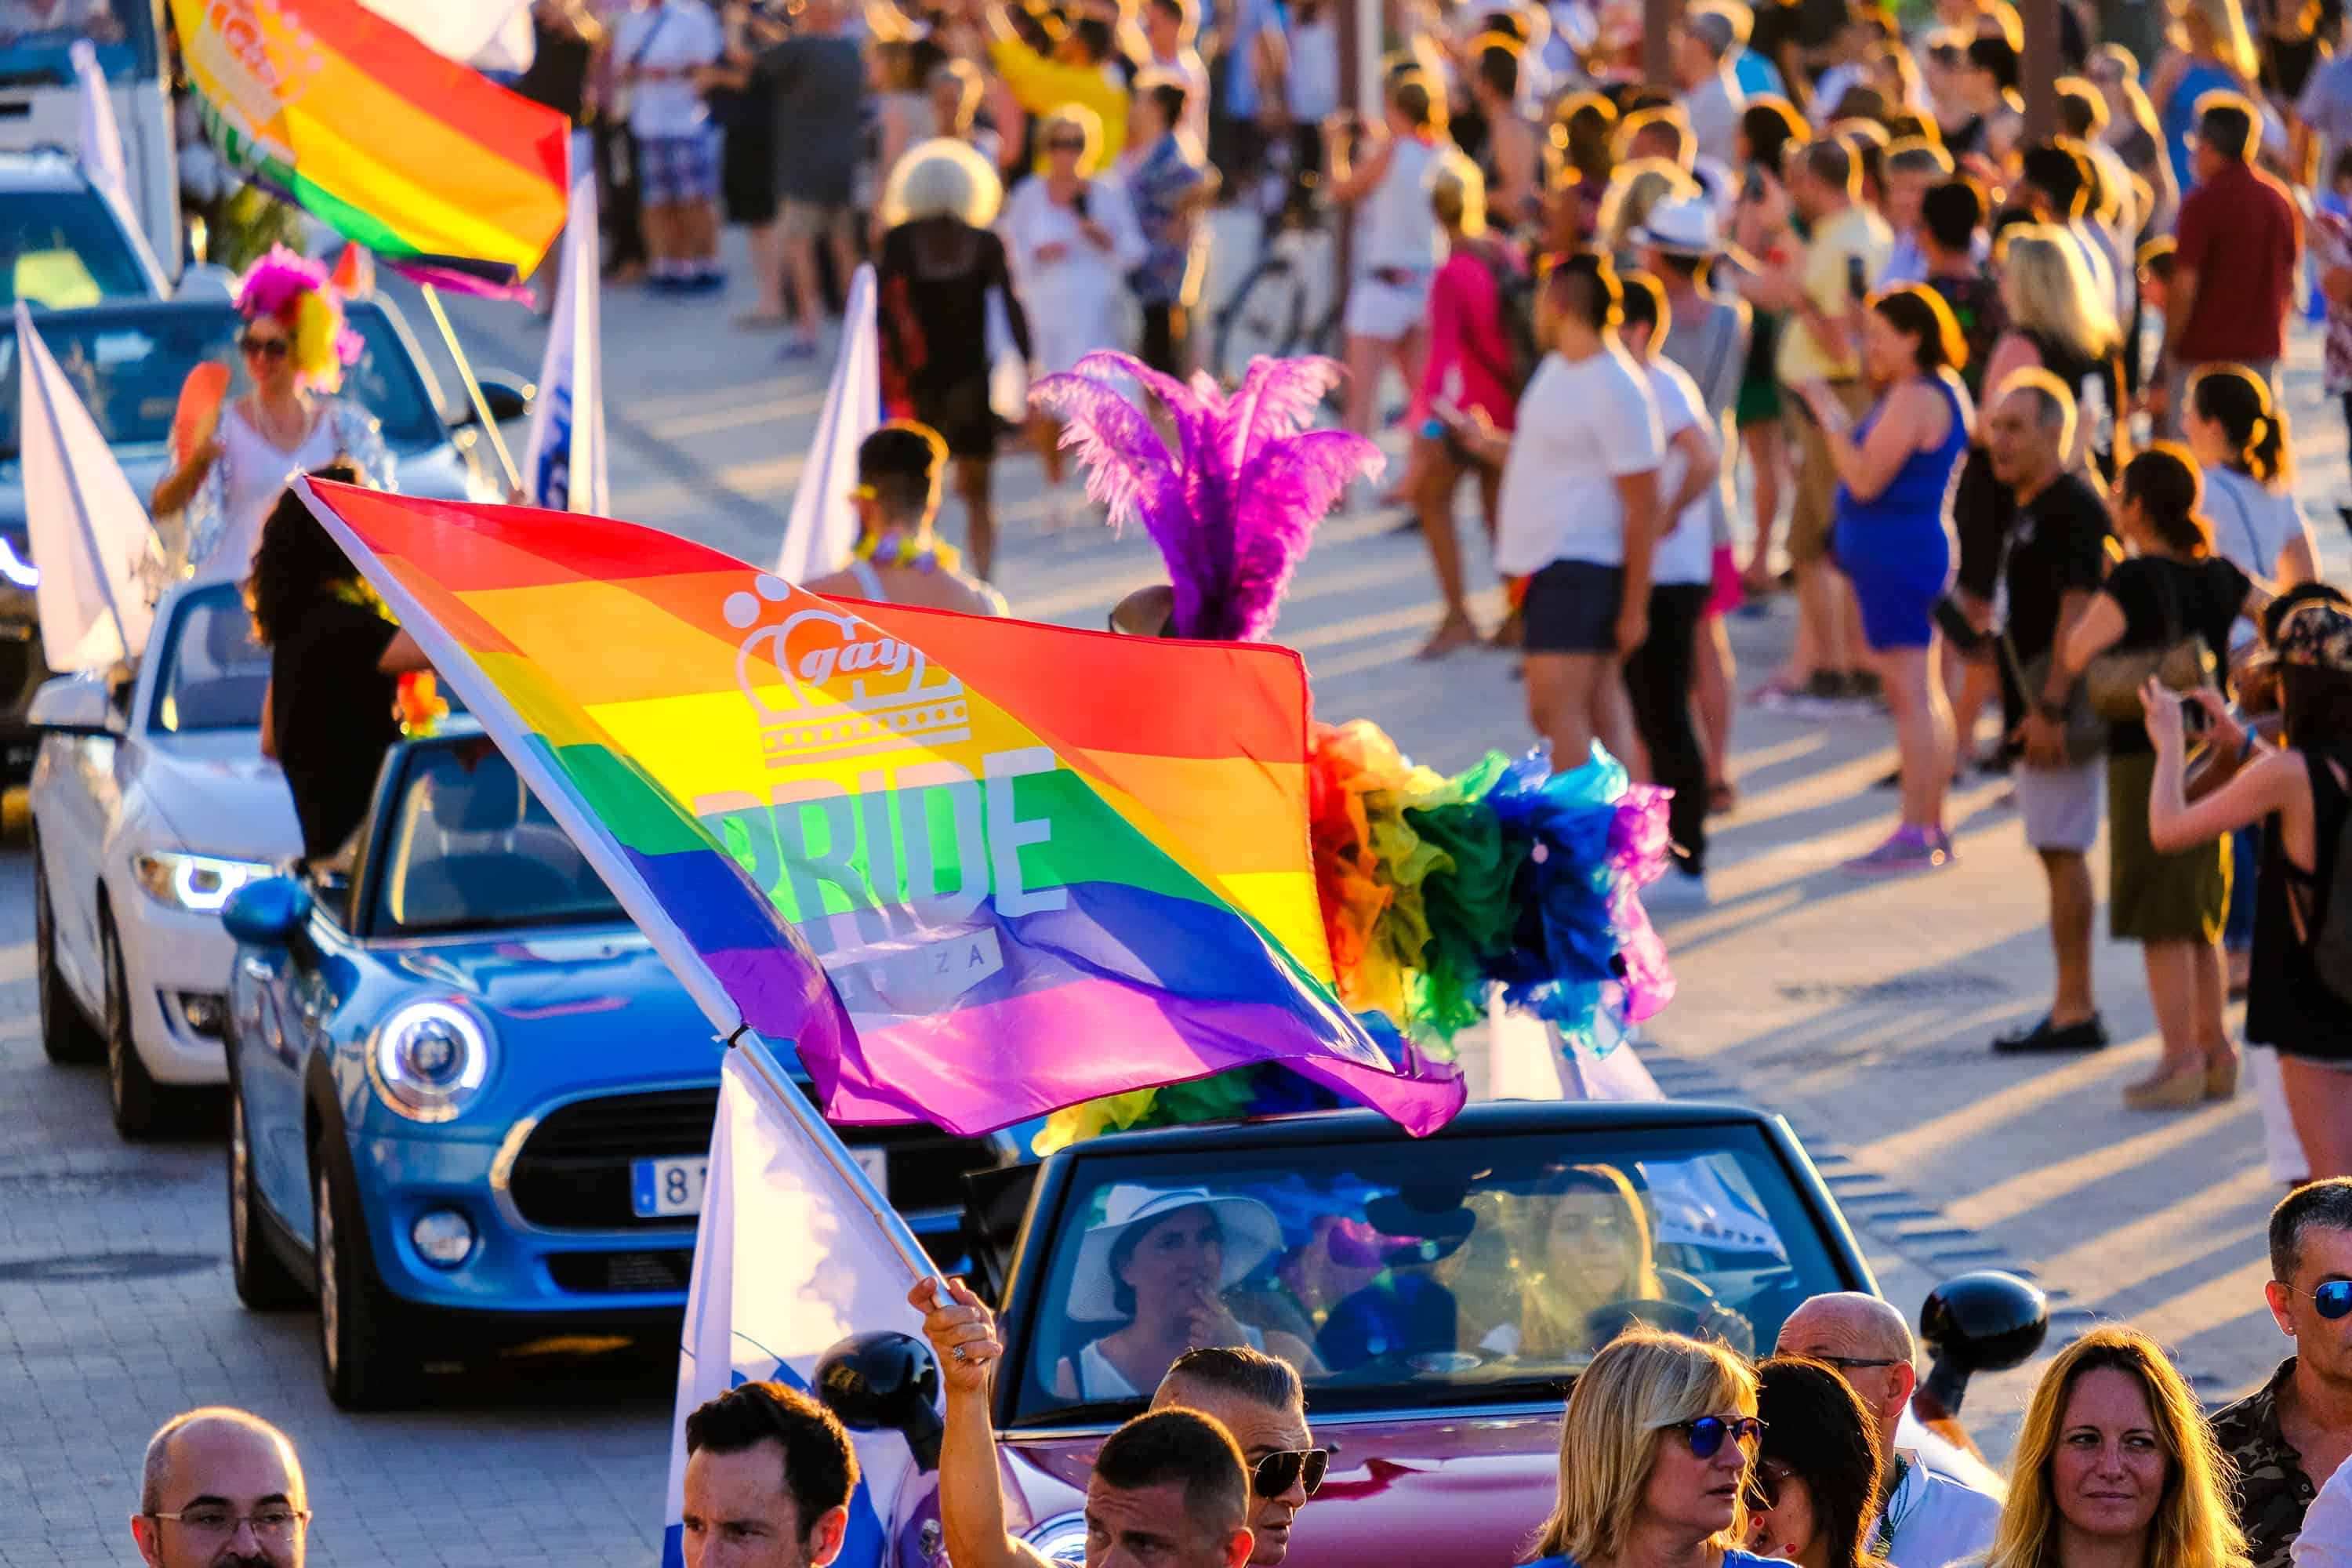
1156, 1262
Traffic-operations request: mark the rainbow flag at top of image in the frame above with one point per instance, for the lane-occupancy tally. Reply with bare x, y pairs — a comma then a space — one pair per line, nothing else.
974, 870
420, 158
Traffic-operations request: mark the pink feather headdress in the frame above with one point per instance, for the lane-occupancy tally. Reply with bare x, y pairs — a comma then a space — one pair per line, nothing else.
295, 292
1233, 507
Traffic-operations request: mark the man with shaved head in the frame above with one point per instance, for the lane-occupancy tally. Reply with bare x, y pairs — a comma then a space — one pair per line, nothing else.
1926, 1520
221, 1489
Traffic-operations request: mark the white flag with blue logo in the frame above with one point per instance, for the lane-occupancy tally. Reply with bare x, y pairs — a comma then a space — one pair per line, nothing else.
564, 462
787, 1263
822, 527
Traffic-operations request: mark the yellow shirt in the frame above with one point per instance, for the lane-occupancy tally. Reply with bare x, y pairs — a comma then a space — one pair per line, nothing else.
1856, 232
1042, 86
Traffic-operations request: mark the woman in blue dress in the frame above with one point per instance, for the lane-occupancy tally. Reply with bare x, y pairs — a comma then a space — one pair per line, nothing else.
1654, 1458
1895, 470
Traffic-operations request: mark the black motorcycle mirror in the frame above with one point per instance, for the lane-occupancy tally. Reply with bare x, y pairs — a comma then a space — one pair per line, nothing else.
883, 1381
1987, 1320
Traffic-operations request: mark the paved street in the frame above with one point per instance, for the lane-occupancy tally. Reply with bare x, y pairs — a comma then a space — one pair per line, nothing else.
1860, 1009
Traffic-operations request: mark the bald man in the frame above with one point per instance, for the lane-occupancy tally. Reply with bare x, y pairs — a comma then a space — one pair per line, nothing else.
1928, 1520
221, 1489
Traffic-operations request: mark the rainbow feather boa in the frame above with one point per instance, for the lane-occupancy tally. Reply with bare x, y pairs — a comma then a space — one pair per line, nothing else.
1436, 891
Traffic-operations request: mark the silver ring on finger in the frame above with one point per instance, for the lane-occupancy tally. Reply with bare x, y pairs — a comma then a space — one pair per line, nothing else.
957, 1353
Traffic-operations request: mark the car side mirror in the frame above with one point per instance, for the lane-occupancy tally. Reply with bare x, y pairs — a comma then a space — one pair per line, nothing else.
509, 397
883, 1381
75, 705
266, 913
1987, 1320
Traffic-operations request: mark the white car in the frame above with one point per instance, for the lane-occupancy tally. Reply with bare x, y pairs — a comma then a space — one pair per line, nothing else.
152, 803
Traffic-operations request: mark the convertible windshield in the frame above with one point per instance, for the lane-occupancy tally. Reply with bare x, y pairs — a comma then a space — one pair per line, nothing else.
1399, 1275
128, 361
469, 848
214, 674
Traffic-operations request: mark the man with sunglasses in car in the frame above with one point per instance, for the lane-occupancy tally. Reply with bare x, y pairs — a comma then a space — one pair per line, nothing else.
1254, 1396
2288, 1437
1925, 1520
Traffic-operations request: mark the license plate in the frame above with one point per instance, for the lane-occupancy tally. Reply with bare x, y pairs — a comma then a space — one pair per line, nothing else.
668, 1189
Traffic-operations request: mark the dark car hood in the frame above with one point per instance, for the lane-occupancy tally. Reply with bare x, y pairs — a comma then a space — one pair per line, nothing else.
1453, 1487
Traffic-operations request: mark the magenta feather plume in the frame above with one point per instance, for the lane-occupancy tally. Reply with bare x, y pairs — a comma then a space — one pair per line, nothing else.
1233, 507
276, 283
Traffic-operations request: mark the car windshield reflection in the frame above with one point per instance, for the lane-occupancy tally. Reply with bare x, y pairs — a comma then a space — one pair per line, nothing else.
1407, 1275
214, 674
470, 847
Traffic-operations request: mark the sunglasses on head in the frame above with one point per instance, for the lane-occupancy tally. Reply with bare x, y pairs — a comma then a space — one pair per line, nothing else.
2332, 1301
1277, 1472
1706, 1434
267, 348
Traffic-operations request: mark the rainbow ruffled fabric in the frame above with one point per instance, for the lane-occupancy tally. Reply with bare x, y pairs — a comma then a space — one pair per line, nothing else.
1435, 891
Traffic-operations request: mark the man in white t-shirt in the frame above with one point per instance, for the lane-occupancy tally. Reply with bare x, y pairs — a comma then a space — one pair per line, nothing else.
1578, 517
1925, 1520
1659, 674
659, 51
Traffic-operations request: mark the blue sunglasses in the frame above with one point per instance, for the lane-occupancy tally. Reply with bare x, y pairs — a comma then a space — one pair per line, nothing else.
2331, 1300
1707, 1433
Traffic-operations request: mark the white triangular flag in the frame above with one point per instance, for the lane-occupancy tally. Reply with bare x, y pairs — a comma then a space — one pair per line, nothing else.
822, 528
92, 541
563, 461
101, 137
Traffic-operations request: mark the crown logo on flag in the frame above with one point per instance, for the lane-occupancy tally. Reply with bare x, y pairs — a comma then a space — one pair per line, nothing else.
847, 690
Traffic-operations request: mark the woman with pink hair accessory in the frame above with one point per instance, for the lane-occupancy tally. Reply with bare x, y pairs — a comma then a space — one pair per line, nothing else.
233, 457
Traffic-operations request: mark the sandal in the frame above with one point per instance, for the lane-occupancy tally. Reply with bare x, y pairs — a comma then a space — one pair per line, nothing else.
2168, 1092
1453, 633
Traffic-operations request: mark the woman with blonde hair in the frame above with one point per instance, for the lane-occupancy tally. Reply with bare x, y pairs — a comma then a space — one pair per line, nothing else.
944, 290
2213, 52
1652, 1457
1633, 191
2115, 1463
2060, 321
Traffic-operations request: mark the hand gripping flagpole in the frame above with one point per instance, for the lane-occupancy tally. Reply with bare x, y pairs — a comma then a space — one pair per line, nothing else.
828, 1144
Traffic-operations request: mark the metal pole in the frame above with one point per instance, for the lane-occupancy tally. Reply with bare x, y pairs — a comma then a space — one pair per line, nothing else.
828, 1144
2042, 67
473, 387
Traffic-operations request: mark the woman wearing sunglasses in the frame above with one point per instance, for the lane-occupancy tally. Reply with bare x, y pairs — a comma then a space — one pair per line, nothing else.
1654, 1458
239, 457
2115, 1464
1813, 1494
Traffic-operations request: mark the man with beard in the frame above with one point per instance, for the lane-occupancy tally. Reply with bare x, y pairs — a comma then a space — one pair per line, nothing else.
769, 1474
221, 1489
1255, 1398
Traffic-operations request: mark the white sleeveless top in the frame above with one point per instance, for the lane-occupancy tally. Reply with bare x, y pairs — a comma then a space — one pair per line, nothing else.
1397, 227
237, 495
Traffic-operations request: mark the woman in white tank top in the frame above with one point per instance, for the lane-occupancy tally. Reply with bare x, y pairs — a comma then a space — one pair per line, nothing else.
1398, 242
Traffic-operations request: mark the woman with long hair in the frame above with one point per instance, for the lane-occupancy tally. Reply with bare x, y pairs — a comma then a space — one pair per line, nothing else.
2298, 793
945, 293
294, 345
1634, 190
1894, 470
2213, 52
1072, 238
1582, 1241
2135, 133
1813, 1491
2115, 1464
1768, 128
1653, 1455
2061, 322
336, 657
1467, 374
2172, 902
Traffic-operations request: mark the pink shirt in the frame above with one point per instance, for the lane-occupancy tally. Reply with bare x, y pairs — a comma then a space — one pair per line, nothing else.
1469, 354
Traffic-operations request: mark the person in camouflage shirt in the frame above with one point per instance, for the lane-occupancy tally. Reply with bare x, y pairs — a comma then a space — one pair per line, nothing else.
2286, 1437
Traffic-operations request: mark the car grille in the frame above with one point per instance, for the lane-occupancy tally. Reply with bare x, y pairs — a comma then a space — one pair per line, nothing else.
572, 1171
624, 1273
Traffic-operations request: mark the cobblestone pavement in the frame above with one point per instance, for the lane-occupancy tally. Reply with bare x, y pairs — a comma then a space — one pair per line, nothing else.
1858, 1008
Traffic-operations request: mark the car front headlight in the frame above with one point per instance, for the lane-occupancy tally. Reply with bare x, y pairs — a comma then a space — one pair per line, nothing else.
430, 1059
1060, 1538
199, 883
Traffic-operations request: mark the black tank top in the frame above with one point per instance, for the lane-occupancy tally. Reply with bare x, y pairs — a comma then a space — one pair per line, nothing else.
2286, 1006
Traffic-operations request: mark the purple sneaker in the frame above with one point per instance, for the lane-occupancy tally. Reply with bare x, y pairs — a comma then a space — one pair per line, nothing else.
1905, 849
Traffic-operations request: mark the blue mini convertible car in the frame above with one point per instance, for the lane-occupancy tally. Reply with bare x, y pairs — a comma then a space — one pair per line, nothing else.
469, 1104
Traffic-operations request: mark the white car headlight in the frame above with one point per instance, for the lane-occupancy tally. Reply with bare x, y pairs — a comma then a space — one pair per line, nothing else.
200, 883
1059, 1539
430, 1059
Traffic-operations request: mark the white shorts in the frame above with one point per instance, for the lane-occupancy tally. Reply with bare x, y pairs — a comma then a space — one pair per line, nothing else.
2060, 805
1386, 312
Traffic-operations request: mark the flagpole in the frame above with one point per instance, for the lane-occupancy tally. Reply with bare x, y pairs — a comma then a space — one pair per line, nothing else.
473, 387
828, 1144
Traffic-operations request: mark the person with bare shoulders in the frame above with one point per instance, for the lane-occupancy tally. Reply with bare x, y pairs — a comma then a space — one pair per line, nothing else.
897, 559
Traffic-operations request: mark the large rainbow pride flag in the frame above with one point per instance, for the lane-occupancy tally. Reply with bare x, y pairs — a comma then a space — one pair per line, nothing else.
1035, 865
422, 159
